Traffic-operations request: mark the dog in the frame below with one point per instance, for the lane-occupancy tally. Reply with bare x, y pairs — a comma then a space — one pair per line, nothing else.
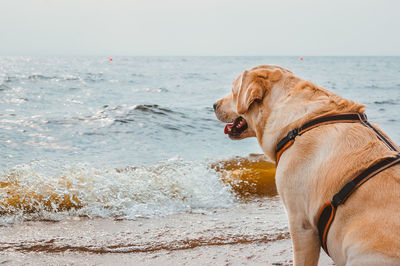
269, 101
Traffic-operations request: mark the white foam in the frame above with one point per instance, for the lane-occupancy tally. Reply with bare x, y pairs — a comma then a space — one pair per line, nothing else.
166, 188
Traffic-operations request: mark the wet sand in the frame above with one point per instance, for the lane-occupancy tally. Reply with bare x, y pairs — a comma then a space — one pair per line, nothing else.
250, 233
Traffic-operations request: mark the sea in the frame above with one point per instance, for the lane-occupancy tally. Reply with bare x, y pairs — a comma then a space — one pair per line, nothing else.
130, 144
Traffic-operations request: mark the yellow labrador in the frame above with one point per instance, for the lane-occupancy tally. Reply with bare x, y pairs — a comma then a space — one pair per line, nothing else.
269, 101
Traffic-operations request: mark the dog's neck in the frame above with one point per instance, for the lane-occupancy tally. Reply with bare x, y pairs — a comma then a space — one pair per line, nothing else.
289, 109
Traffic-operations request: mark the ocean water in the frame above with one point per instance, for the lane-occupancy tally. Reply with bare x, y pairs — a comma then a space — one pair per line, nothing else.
137, 137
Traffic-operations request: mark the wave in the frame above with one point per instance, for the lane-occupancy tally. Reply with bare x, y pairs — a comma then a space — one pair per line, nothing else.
158, 90
248, 176
9, 79
3, 87
94, 77
88, 77
153, 108
41, 77
49, 190
36, 77
142, 115
390, 102
108, 120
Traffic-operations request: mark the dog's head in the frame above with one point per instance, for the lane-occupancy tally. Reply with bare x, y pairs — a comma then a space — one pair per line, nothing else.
245, 109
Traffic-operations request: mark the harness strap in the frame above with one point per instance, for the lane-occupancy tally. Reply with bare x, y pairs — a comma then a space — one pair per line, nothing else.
327, 212
379, 135
288, 141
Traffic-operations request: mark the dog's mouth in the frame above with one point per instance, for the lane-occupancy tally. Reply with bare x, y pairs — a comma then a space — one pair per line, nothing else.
235, 129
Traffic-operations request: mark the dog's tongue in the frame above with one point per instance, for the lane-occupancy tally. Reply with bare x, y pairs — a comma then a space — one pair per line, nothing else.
230, 126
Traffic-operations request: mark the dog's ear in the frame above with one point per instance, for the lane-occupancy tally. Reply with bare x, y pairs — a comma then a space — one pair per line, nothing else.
275, 75
254, 85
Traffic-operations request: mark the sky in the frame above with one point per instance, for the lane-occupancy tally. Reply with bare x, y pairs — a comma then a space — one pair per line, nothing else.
200, 28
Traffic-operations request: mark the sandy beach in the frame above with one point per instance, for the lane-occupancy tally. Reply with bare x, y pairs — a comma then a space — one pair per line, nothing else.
250, 234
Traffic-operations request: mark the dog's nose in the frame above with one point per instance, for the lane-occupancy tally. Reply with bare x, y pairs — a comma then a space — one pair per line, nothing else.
215, 106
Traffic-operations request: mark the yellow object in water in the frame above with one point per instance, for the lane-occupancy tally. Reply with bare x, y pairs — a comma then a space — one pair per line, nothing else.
248, 176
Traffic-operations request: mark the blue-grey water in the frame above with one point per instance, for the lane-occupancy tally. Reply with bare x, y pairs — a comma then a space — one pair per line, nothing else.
77, 119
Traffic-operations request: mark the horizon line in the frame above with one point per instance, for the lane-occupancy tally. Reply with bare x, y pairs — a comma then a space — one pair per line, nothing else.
145, 55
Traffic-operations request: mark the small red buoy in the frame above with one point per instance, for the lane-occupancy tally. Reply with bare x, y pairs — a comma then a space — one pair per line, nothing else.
110, 59
301, 58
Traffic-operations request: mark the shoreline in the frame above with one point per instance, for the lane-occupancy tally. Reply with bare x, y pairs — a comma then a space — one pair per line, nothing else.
277, 253
251, 233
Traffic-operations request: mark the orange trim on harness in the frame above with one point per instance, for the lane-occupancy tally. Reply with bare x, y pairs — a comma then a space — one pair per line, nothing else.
328, 223
287, 146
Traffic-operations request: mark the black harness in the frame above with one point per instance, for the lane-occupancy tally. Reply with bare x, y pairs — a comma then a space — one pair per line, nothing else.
328, 210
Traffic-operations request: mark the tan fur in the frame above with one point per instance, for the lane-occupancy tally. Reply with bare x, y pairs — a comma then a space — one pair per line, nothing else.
366, 230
